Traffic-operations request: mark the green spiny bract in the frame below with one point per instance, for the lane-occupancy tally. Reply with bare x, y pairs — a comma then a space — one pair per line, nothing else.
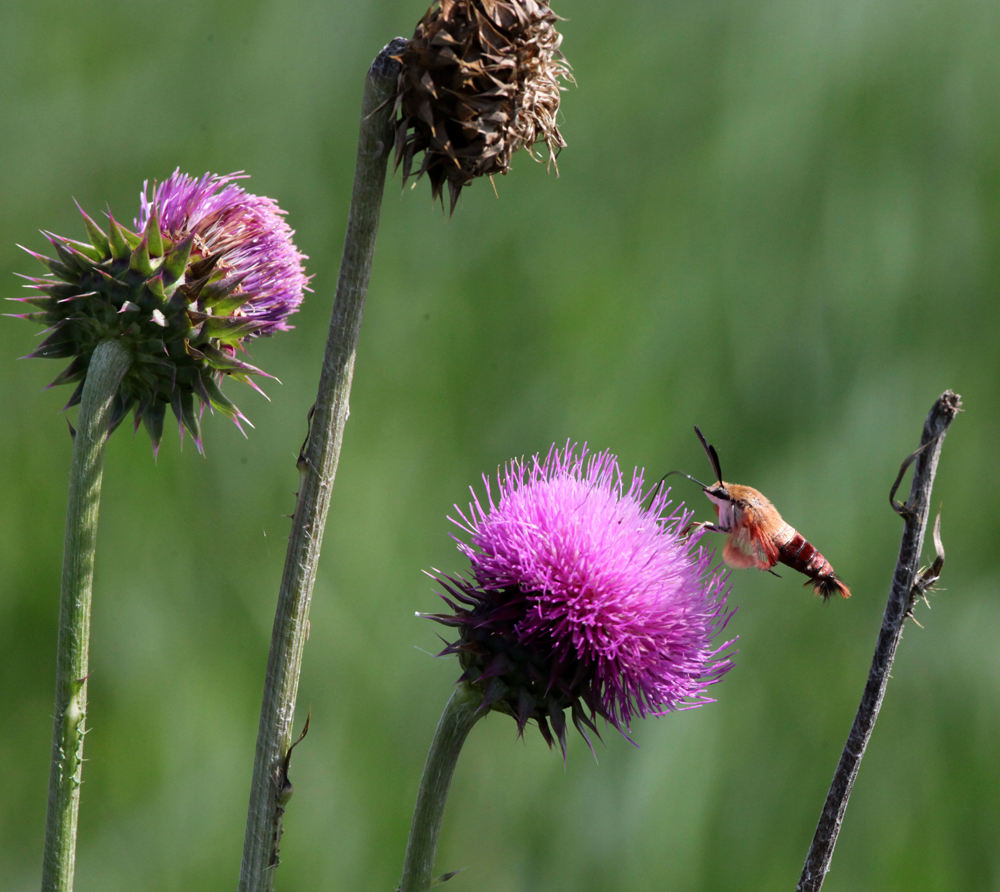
175, 308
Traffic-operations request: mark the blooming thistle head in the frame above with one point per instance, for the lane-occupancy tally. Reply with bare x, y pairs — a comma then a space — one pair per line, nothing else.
584, 594
207, 267
479, 79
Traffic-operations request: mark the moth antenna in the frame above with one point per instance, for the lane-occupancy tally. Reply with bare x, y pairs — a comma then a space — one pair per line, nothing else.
713, 456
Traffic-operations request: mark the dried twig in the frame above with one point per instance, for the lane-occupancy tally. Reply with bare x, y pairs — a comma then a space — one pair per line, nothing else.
907, 586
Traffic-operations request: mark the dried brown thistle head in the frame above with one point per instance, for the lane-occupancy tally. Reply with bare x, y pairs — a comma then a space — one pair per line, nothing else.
479, 80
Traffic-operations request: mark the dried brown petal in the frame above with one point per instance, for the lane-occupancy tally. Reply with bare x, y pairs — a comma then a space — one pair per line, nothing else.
479, 80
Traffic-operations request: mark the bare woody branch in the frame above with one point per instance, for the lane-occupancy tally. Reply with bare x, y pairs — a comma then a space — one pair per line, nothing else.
908, 584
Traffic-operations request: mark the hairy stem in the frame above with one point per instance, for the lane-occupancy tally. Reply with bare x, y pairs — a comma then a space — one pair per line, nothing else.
317, 466
906, 587
108, 365
461, 713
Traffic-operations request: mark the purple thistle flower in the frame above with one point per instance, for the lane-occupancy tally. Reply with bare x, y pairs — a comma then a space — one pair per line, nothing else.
584, 597
209, 267
249, 231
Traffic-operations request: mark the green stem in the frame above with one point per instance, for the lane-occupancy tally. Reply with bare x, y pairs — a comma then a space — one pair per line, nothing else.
270, 788
461, 713
108, 365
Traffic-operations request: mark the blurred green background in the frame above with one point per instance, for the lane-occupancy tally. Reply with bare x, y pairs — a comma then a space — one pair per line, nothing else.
776, 219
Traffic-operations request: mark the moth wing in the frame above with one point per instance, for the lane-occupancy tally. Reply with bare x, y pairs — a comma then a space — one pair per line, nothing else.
768, 547
735, 556
748, 546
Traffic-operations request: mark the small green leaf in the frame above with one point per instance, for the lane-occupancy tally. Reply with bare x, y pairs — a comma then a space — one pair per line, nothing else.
69, 257
96, 235
43, 303
120, 248
152, 236
230, 329
58, 345
205, 266
223, 362
40, 318
176, 261
155, 286
139, 259
182, 402
86, 249
215, 293
74, 400
152, 418
119, 409
219, 400
131, 238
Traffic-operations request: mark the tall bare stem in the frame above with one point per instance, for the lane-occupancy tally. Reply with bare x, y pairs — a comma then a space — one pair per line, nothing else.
108, 365
318, 466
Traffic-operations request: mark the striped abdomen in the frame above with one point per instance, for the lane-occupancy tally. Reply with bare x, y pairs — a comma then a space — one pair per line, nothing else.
798, 554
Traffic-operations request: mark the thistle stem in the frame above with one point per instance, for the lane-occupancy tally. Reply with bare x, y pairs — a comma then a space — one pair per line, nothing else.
108, 365
461, 713
906, 588
317, 465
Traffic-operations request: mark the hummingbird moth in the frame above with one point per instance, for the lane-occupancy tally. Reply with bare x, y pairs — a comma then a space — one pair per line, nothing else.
757, 534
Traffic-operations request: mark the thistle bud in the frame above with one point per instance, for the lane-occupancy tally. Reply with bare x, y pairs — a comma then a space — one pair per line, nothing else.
584, 595
206, 268
479, 80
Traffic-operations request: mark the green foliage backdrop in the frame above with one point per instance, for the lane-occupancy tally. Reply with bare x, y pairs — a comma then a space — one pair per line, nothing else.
778, 219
